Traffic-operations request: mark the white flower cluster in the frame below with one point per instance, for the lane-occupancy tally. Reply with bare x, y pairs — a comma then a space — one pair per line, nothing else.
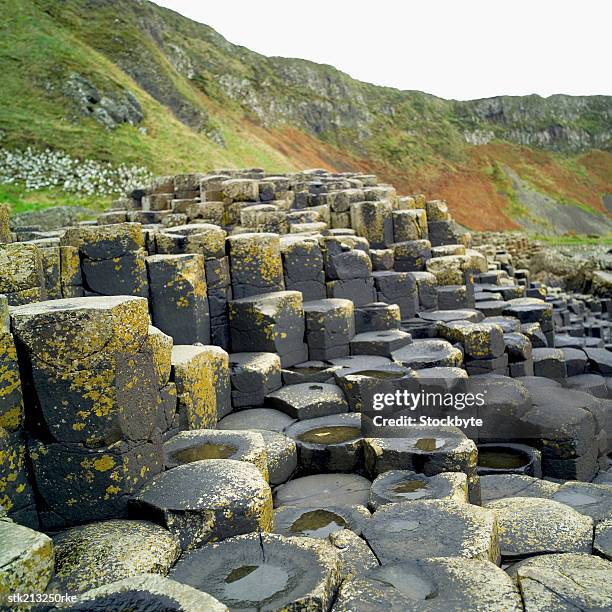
38, 169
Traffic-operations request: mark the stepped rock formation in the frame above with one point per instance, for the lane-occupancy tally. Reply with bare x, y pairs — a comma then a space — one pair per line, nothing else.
189, 393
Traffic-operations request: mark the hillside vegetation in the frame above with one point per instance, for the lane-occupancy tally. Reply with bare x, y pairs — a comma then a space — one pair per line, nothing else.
128, 82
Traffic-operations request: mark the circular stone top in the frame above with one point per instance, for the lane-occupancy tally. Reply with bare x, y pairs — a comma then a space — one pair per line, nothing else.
264, 571
530, 525
430, 585
147, 592
323, 490
212, 483
405, 485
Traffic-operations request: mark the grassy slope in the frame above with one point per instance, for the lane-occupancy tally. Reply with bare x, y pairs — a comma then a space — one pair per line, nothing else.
411, 139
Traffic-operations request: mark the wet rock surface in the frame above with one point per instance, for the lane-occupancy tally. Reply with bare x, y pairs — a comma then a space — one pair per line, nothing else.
432, 528
431, 585
264, 571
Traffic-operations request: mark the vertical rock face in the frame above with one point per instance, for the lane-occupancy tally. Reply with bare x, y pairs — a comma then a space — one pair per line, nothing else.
94, 354
16, 494
272, 322
22, 278
5, 232
90, 352
112, 258
256, 264
11, 399
178, 297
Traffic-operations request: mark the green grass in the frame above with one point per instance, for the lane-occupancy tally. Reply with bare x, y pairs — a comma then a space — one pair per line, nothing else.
575, 240
20, 200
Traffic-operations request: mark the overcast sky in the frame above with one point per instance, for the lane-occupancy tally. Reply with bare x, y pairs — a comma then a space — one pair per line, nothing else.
459, 49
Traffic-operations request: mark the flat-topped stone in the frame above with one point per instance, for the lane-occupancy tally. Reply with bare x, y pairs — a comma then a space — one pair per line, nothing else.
432, 528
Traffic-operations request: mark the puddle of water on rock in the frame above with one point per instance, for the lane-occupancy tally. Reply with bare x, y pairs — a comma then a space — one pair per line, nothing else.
379, 374
308, 371
330, 435
410, 585
204, 451
575, 498
429, 444
501, 459
398, 525
410, 489
254, 583
318, 523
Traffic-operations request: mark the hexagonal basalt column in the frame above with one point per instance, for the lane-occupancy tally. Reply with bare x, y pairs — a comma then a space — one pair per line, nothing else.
330, 326
428, 450
309, 400
303, 266
253, 376
409, 225
202, 444
179, 304
372, 220
112, 258
202, 378
432, 528
91, 352
255, 264
22, 277
329, 444
264, 571
412, 255
272, 322
208, 500
428, 354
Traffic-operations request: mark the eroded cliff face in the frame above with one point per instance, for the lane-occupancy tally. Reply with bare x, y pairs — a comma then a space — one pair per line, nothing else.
557, 123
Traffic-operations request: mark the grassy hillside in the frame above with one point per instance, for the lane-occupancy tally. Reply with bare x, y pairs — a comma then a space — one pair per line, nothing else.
189, 100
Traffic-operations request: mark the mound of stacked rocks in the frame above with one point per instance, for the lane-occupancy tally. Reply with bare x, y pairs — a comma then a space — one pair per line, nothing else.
183, 386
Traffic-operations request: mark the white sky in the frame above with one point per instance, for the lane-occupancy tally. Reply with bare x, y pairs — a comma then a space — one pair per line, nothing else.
459, 49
